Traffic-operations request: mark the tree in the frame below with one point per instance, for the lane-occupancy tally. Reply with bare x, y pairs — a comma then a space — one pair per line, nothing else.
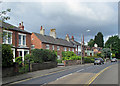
7, 56
91, 43
113, 44
105, 53
99, 39
3, 15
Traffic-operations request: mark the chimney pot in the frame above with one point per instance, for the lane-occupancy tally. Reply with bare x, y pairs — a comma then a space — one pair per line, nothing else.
72, 38
41, 27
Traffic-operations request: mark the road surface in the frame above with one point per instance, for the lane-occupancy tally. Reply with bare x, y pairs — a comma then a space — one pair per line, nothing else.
84, 74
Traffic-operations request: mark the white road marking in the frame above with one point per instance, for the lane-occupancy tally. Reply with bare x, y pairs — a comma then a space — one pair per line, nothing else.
79, 70
64, 76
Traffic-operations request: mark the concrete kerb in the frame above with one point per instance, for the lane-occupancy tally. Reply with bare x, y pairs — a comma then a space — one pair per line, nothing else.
8, 80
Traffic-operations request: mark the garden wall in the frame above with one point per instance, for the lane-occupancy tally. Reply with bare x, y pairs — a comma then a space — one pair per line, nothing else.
11, 71
71, 62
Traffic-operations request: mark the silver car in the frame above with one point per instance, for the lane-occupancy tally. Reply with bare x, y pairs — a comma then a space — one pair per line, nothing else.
113, 60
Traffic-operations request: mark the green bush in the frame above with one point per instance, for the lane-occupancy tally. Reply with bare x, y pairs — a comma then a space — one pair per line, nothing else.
88, 60
43, 55
29, 58
72, 58
19, 61
59, 61
68, 54
7, 55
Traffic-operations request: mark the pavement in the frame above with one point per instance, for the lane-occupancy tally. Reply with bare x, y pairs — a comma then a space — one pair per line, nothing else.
35, 74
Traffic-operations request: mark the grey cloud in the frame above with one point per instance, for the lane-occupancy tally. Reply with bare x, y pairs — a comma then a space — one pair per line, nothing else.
67, 18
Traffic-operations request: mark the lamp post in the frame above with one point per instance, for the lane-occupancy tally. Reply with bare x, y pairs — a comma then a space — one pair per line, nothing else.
82, 47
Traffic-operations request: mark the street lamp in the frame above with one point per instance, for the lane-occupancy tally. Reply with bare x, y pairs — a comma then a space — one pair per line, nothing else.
82, 49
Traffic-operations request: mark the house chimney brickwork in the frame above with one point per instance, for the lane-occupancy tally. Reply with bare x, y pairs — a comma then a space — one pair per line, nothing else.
53, 33
42, 30
72, 38
21, 26
67, 37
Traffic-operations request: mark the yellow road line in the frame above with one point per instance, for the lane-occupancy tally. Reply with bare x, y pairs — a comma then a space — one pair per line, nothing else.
94, 77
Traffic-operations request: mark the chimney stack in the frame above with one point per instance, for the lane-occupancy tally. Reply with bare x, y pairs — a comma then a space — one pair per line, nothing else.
67, 37
72, 38
53, 33
21, 26
42, 30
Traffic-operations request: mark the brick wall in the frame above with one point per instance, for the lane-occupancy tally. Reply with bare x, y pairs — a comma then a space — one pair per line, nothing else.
35, 41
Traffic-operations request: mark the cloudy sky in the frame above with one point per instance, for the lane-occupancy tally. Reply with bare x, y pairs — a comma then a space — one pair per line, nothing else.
69, 17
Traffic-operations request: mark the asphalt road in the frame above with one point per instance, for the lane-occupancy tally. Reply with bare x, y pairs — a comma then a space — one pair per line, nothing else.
87, 74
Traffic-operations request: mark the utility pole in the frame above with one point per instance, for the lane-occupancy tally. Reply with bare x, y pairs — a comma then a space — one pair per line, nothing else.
81, 49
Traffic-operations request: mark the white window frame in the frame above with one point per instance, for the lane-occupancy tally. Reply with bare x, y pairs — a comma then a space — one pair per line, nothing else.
32, 46
65, 49
53, 47
13, 49
6, 40
21, 34
58, 57
47, 46
69, 49
72, 49
23, 50
58, 47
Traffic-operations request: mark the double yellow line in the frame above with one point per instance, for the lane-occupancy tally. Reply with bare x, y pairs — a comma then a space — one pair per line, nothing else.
94, 77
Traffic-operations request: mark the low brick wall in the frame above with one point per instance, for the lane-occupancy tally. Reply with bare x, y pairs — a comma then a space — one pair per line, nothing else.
71, 62
46, 65
11, 71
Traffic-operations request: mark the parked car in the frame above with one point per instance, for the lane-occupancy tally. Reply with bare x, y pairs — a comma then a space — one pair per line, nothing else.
98, 61
113, 60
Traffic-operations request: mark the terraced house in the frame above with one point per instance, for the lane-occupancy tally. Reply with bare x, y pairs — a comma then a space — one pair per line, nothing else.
17, 37
51, 42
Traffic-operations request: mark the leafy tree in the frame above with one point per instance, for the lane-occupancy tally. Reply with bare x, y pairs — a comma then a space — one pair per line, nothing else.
99, 39
7, 56
113, 43
91, 43
105, 53
3, 15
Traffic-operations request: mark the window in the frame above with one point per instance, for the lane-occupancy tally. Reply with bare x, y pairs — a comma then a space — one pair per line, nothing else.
47, 46
20, 53
7, 37
65, 49
53, 47
58, 57
76, 48
73, 49
69, 49
22, 39
32, 46
19, 39
58, 47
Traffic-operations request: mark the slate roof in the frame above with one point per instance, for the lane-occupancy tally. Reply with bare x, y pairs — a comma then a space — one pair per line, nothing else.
51, 40
75, 42
11, 27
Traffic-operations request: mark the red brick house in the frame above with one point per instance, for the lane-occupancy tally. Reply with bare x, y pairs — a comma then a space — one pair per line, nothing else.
42, 41
17, 37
